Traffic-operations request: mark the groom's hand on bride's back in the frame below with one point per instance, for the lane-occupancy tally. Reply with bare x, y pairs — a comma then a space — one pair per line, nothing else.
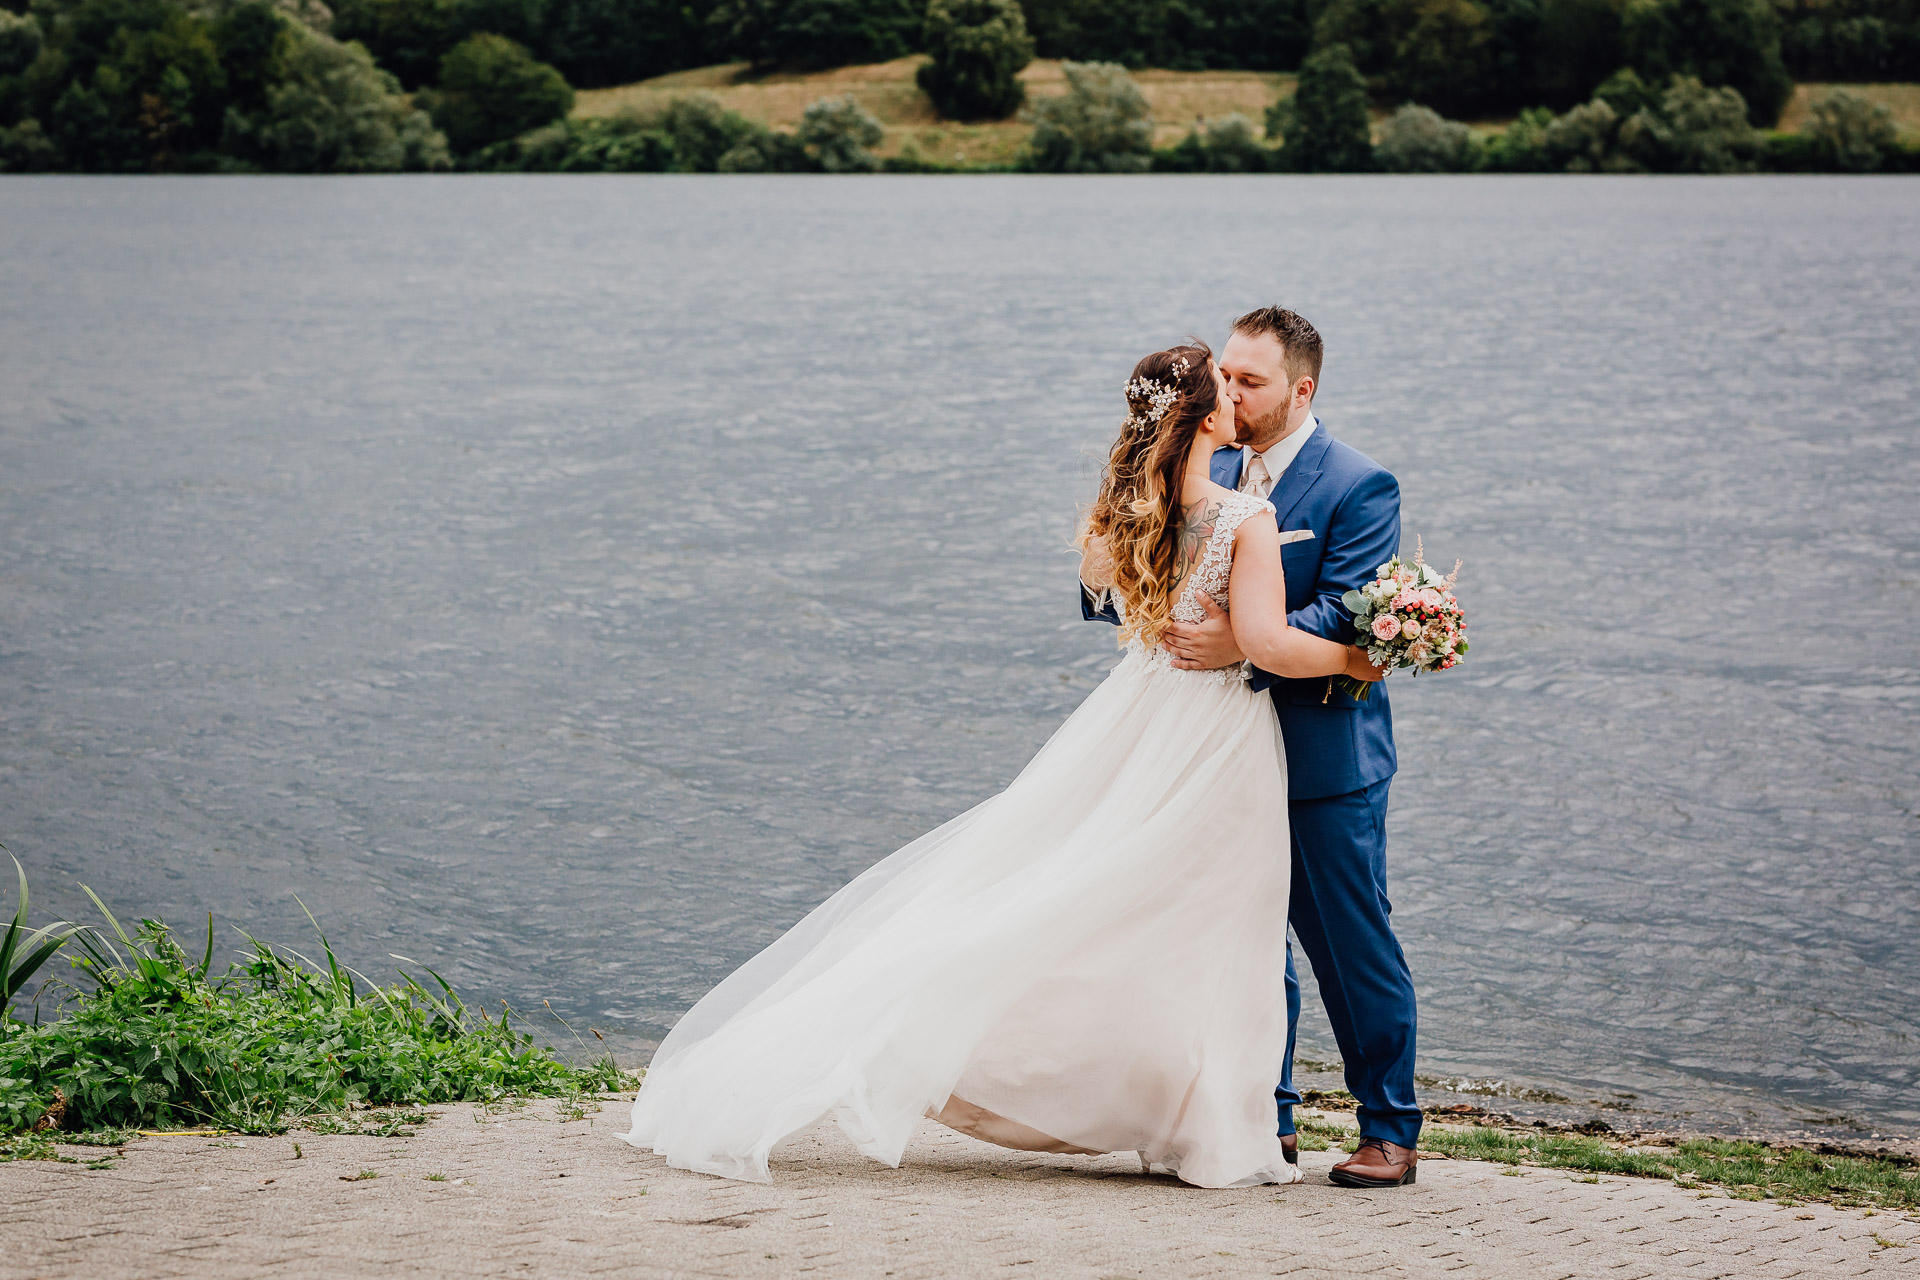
1202, 646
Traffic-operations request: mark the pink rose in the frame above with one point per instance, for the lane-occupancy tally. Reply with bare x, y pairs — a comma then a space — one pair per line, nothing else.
1386, 627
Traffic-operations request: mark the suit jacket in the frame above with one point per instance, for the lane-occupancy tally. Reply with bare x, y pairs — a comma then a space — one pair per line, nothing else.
1335, 743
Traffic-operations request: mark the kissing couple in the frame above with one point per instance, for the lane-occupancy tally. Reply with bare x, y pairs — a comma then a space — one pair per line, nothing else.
1096, 959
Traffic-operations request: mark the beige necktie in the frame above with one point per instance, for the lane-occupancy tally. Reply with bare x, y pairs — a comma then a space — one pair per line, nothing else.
1256, 481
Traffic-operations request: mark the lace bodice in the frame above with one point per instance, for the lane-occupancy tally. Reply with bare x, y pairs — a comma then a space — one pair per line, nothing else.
1210, 575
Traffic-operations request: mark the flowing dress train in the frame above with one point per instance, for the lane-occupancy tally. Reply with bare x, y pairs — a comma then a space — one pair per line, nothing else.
1091, 960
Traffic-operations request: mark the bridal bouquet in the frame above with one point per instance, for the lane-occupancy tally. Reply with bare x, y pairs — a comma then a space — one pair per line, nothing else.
1408, 617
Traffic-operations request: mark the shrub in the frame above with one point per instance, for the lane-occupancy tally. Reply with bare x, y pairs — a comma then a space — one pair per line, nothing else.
1420, 140
1100, 125
614, 151
1232, 146
768, 151
1582, 140
1325, 126
1523, 147
1695, 130
626, 143
492, 89
25, 148
1788, 153
331, 110
839, 135
702, 131
1735, 43
423, 148
1851, 134
1225, 145
978, 48
1627, 93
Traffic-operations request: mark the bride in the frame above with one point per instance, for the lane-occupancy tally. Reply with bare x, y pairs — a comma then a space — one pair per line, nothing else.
1092, 960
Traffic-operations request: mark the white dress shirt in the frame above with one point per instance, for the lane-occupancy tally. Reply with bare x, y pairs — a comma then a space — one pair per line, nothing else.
1278, 457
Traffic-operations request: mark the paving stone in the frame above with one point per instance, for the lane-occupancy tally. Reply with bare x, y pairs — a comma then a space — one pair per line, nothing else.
956, 1208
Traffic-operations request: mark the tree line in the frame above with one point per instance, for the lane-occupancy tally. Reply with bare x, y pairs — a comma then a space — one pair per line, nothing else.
1491, 55
291, 85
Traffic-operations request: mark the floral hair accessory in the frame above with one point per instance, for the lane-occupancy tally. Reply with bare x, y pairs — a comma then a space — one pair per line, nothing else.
1158, 395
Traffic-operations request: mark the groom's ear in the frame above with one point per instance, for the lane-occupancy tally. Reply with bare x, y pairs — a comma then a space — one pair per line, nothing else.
1305, 387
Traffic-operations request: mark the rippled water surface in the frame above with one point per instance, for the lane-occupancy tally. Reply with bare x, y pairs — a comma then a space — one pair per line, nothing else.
572, 580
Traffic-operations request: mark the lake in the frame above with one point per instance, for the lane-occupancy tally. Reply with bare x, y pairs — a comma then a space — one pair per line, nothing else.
568, 581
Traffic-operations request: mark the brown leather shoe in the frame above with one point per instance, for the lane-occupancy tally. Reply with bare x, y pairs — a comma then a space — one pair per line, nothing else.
1378, 1163
1290, 1147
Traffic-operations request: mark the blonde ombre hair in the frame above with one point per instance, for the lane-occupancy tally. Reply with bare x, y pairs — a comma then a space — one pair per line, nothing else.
1138, 511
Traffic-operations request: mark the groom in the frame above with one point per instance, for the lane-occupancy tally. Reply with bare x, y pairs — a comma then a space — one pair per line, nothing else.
1340, 758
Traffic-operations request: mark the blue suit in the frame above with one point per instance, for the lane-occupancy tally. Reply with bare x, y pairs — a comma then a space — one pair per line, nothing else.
1340, 763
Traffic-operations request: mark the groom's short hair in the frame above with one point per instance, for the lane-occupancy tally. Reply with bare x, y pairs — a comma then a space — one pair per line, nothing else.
1299, 341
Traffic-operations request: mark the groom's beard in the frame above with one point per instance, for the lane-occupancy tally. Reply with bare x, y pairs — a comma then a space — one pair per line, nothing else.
1266, 427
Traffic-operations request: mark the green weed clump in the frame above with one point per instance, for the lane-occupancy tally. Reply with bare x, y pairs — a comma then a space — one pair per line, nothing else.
1749, 1170
151, 1038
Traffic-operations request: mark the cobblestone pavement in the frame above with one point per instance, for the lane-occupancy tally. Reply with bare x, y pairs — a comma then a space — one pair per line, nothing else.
520, 1193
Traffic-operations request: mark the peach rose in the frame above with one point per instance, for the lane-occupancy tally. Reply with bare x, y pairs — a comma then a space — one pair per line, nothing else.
1386, 626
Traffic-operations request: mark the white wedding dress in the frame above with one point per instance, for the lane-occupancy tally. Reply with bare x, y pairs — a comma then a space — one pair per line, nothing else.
1096, 954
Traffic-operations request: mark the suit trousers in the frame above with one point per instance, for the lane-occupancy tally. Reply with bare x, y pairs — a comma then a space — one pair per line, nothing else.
1340, 914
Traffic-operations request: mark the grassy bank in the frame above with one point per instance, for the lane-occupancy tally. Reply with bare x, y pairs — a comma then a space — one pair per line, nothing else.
145, 1035
887, 89
1177, 99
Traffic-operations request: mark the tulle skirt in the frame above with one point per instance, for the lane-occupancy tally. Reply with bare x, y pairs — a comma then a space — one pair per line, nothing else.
1093, 958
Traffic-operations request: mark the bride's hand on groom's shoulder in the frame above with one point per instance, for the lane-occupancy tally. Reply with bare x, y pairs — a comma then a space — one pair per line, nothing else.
1203, 646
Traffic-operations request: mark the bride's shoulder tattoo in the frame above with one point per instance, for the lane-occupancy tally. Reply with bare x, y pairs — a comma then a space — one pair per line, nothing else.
1197, 520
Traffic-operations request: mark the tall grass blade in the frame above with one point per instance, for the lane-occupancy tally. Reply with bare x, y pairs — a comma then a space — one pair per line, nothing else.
340, 979
18, 928
206, 961
22, 953
118, 931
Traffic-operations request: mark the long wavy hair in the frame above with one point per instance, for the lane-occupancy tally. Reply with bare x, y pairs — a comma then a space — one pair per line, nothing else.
1138, 510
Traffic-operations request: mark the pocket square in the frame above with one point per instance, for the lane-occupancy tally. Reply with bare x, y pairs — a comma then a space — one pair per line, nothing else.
1295, 535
